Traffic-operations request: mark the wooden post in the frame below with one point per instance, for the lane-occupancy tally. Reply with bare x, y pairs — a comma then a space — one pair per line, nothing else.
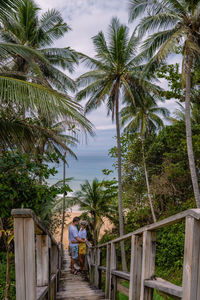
148, 263
92, 267
113, 279
135, 268
42, 254
107, 288
49, 261
54, 260
97, 263
191, 269
25, 258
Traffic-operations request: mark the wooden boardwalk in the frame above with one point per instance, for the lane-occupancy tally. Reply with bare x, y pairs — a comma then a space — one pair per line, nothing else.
73, 287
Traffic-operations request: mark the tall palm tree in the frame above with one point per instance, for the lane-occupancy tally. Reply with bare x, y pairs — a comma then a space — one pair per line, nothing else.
26, 80
177, 24
115, 69
51, 137
25, 27
144, 120
96, 200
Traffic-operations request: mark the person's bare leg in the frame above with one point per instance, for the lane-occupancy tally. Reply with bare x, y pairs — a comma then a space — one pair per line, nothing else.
72, 264
81, 262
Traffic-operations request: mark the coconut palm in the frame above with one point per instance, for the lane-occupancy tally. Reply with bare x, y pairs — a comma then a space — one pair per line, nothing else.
25, 27
179, 114
95, 199
24, 82
144, 120
51, 137
115, 70
177, 24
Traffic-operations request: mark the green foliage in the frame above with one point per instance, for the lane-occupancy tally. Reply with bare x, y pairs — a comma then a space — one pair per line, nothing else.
3, 276
170, 253
19, 186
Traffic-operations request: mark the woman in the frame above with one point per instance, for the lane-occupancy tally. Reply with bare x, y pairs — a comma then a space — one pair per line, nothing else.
82, 246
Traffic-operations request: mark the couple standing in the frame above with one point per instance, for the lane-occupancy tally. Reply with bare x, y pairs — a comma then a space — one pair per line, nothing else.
77, 243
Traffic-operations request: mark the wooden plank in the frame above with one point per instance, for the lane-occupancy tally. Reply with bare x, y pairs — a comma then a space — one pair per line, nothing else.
108, 253
49, 261
113, 278
165, 287
42, 255
97, 263
135, 268
191, 280
92, 271
123, 289
54, 259
28, 213
41, 292
148, 263
121, 274
19, 259
195, 213
102, 268
29, 259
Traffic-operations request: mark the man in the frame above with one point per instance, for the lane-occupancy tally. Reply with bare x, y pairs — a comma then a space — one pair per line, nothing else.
73, 242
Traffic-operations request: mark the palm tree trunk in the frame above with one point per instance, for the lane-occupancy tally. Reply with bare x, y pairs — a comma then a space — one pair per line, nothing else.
147, 182
63, 210
120, 206
95, 231
189, 131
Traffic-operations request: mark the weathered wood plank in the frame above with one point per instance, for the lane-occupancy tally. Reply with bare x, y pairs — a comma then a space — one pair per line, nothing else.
19, 259
42, 255
41, 292
108, 253
102, 268
191, 280
121, 274
28, 213
195, 213
165, 286
113, 278
54, 259
148, 263
29, 259
135, 268
97, 263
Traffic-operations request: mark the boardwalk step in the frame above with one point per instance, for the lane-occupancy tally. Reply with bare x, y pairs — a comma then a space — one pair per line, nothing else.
76, 287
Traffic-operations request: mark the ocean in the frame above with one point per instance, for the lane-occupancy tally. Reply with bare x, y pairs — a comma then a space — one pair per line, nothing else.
85, 168
92, 159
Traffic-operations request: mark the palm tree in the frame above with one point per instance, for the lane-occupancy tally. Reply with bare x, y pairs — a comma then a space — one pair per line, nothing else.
95, 199
144, 120
178, 24
24, 82
25, 27
179, 114
115, 70
51, 138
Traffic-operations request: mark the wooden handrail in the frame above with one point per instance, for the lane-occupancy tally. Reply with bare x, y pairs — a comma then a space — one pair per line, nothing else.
142, 270
37, 258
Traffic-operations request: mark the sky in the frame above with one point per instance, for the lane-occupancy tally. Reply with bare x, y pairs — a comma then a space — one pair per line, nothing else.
86, 18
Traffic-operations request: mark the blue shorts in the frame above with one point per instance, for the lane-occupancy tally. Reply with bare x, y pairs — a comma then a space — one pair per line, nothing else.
74, 251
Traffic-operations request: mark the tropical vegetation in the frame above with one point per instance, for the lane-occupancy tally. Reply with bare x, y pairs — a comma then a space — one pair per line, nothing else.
157, 152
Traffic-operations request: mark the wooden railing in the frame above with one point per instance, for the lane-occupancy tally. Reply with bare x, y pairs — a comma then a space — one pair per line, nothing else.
142, 280
37, 258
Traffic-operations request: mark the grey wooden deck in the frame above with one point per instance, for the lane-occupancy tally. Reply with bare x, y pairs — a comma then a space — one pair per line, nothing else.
73, 287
